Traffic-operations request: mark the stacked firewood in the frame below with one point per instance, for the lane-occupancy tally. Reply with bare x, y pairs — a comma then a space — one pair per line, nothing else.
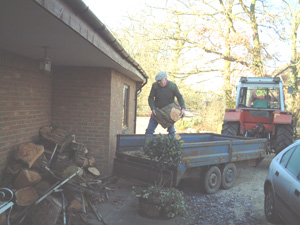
61, 145
57, 172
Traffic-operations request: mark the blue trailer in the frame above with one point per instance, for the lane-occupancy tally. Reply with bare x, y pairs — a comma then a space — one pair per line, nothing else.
211, 157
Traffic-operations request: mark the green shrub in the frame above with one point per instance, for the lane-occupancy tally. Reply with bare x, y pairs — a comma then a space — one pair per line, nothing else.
164, 152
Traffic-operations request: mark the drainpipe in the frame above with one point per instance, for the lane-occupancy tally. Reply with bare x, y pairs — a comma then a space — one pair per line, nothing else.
135, 102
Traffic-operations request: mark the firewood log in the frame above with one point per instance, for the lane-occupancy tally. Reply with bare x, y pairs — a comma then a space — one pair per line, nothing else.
167, 115
80, 158
60, 165
50, 137
81, 161
26, 196
94, 171
75, 205
27, 178
77, 146
92, 161
29, 152
175, 114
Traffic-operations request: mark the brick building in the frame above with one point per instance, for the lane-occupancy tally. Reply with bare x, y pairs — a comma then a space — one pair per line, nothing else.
59, 65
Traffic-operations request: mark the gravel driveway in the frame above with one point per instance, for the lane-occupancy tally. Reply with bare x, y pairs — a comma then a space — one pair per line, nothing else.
242, 204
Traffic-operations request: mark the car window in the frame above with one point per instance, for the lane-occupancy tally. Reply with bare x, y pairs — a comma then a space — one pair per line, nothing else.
293, 165
285, 158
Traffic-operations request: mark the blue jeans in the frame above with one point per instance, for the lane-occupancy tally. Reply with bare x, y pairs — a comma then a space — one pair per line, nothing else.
153, 124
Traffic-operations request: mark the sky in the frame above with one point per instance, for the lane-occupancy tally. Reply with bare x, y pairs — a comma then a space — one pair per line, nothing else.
113, 12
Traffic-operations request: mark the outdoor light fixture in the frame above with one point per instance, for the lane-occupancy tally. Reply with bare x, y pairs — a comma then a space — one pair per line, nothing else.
45, 63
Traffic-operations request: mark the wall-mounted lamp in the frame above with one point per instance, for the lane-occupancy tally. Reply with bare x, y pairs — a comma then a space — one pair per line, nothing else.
45, 63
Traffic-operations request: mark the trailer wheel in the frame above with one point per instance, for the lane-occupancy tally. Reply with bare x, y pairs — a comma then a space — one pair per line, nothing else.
228, 176
230, 128
212, 180
284, 137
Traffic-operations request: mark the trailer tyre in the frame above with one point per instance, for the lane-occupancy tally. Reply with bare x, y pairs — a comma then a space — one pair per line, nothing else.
212, 180
228, 176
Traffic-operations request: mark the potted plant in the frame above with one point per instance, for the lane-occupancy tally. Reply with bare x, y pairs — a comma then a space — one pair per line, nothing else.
158, 200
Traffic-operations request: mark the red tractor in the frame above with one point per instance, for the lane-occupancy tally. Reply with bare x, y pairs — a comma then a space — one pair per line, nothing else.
260, 113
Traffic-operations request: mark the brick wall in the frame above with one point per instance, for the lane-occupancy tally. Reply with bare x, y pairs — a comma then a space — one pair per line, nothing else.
81, 105
25, 97
116, 111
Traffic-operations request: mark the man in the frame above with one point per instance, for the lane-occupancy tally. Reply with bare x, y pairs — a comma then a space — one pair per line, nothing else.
163, 93
258, 98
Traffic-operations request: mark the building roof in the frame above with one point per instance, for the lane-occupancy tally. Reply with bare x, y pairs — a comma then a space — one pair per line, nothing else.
71, 33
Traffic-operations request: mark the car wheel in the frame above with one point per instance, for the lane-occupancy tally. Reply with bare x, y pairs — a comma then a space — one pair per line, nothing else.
270, 211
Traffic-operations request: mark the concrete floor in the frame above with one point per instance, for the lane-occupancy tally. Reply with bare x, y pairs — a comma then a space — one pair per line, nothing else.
122, 208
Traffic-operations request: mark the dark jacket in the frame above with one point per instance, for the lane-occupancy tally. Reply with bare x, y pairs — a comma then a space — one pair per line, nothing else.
162, 96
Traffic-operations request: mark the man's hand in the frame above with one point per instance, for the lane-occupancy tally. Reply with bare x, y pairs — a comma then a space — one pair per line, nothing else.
154, 112
182, 113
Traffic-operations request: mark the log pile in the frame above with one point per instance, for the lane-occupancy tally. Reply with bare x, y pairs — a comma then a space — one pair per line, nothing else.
58, 172
63, 147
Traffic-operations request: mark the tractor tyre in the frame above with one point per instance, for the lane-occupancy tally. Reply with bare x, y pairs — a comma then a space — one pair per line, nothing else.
230, 128
284, 137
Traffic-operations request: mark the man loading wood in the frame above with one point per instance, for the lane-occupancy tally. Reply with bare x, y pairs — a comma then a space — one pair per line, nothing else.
162, 94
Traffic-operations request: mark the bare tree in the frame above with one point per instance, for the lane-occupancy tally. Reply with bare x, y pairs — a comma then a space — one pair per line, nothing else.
257, 61
202, 38
292, 17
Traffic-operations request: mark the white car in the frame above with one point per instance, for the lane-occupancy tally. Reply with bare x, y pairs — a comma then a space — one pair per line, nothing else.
282, 187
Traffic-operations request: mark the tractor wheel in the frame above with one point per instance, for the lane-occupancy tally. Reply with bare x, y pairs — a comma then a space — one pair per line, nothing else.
230, 128
284, 137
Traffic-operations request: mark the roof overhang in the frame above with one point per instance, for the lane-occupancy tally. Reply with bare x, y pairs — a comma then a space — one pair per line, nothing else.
72, 34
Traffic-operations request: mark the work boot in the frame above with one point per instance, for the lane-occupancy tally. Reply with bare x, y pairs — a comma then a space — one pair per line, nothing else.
148, 138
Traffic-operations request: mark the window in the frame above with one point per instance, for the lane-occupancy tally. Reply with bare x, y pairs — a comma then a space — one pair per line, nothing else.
263, 96
242, 100
285, 158
293, 164
125, 106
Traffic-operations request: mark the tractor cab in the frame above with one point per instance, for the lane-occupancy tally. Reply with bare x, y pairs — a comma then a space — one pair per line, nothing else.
262, 93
